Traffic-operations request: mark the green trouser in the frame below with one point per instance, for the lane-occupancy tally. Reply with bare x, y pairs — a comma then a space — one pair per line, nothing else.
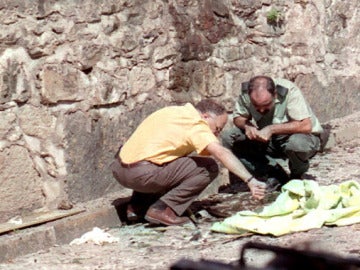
259, 157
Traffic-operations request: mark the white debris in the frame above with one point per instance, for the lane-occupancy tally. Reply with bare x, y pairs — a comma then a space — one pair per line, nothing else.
97, 236
17, 220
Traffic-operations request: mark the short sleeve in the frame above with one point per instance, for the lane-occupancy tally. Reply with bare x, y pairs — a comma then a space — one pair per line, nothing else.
200, 136
297, 108
242, 106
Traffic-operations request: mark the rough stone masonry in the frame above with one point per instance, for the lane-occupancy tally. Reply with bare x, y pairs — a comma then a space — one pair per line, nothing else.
76, 77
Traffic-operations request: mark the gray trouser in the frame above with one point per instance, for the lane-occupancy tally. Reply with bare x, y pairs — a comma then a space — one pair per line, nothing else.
257, 156
177, 183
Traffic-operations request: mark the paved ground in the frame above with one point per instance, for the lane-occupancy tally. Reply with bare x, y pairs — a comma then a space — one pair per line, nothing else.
144, 247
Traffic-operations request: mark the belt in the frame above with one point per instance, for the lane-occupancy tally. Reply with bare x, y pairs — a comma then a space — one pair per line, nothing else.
134, 164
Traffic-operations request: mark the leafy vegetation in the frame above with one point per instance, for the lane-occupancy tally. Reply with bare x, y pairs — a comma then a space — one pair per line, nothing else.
274, 17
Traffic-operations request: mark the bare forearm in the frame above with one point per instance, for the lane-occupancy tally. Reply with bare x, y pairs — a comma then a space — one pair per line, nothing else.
233, 164
303, 126
230, 161
240, 122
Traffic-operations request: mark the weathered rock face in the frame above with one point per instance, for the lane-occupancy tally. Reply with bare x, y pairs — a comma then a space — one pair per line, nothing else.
78, 76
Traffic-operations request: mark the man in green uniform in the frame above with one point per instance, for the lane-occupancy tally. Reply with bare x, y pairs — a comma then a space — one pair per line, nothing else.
273, 120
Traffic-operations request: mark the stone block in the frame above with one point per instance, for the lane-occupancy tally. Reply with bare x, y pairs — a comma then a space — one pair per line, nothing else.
36, 121
8, 119
213, 85
164, 56
62, 231
14, 81
88, 155
20, 183
105, 91
62, 83
230, 54
73, 227
195, 47
28, 241
141, 79
347, 133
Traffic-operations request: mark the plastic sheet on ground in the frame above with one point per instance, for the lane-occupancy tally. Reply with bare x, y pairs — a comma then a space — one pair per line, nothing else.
302, 205
96, 236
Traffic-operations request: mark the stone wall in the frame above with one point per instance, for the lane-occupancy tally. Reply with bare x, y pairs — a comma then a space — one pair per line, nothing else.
77, 76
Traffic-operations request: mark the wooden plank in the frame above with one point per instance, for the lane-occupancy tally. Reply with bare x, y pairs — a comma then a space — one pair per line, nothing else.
37, 219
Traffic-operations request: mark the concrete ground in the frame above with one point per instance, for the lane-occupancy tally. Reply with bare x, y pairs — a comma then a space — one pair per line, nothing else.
143, 247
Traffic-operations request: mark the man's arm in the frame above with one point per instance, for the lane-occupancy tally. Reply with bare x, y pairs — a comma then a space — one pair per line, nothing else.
251, 131
240, 121
233, 164
294, 126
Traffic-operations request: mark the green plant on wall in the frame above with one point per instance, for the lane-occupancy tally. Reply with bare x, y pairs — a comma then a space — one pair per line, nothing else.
274, 17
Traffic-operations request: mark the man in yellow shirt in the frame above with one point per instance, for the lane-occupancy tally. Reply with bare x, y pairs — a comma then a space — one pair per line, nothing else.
155, 161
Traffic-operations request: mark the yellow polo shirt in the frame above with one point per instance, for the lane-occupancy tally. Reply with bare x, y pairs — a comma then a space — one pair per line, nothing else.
168, 134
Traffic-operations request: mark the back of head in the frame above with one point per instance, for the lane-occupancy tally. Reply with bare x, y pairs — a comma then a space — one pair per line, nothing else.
210, 106
259, 83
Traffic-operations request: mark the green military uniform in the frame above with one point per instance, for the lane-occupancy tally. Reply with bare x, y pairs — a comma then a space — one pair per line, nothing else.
290, 104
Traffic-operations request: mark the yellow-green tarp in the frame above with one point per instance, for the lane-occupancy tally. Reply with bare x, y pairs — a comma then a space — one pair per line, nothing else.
302, 205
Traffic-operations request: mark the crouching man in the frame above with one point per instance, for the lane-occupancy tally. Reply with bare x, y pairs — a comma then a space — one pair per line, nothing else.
273, 120
155, 162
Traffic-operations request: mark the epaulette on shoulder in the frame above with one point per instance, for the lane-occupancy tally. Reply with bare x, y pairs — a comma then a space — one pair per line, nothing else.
244, 87
281, 90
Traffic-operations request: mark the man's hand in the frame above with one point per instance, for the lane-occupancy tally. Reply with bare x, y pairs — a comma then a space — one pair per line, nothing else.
265, 134
257, 188
251, 132
233, 164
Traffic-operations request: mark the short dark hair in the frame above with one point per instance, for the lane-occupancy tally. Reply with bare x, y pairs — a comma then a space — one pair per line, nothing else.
210, 106
258, 82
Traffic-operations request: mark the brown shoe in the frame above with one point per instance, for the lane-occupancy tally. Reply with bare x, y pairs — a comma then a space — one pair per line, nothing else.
164, 216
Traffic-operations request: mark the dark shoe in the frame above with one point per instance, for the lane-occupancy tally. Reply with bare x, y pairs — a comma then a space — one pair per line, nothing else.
272, 184
139, 204
164, 216
279, 174
134, 213
296, 176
